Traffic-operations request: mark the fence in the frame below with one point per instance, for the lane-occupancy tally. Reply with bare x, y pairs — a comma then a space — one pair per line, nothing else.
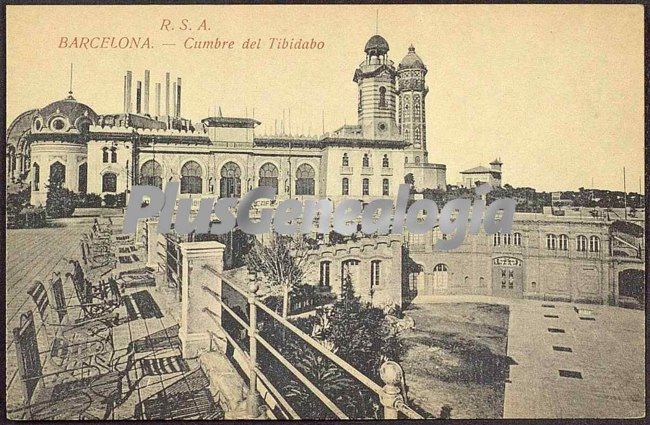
301, 377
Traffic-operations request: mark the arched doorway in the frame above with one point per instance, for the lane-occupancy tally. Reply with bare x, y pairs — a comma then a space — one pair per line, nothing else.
440, 279
57, 173
631, 287
230, 180
507, 277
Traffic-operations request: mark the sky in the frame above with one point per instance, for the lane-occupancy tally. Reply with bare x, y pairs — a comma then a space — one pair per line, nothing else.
555, 91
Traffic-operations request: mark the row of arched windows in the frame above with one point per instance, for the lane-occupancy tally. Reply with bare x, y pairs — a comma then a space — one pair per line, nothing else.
345, 161
230, 183
365, 187
561, 242
507, 239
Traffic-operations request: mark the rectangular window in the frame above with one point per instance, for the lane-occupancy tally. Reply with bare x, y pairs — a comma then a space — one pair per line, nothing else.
374, 273
325, 273
366, 187
345, 189
385, 187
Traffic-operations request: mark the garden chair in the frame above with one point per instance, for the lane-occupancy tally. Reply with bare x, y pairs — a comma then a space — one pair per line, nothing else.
61, 395
97, 262
84, 342
97, 299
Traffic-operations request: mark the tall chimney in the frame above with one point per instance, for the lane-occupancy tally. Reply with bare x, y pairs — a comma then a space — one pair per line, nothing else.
167, 94
124, 96
174, 99
157, 99
129, 78
178, 98
146, 91
138, 98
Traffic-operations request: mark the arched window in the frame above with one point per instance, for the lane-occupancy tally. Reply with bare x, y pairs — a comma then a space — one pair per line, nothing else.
416, 134
384, 161
533, 286
365, 187
440, 268
366, 160
507, 239
594, 244
385, 187
325, 273
517, 239
407, 110
37, 176
582, 243
83, 177
151, 174
382, 97
551, 242
57, 173
374, 273
305, 183
109, 183
346, 160
113, 154
104, 155
269, 176
466, 280
230, 180
416, 107
564, 242
191, 181
481, 282
497, 239
345, 186
417, 159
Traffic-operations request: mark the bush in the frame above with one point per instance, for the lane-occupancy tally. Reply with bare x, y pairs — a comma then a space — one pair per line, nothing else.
60, 201
17, 201
88, 200
115, 201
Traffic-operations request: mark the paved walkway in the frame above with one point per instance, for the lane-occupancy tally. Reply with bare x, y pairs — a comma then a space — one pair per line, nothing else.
545, 338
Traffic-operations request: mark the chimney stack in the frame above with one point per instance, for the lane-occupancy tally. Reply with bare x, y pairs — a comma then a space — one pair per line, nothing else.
124, 96
138, 98
174, 99
128, 91
167, 94
157, 99
146, 91
178, 98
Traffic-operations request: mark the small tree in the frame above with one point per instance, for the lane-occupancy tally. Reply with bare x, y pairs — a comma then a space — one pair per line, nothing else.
60, 201
283, 262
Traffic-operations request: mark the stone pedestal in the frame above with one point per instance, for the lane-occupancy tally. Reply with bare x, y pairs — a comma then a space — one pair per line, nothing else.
196, 285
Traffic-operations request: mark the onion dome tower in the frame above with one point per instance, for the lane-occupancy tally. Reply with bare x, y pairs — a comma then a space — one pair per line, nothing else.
377, 93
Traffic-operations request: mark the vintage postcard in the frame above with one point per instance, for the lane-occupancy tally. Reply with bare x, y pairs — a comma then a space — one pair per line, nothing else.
324, 212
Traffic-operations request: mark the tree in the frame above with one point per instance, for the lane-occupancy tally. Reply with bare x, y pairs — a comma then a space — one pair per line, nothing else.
283, 262
60, 201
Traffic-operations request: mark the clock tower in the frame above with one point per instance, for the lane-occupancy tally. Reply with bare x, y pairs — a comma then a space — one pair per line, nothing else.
376, 78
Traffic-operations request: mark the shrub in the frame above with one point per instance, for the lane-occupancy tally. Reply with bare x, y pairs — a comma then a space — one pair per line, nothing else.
89, 200
60, 201
17, 201
115, 201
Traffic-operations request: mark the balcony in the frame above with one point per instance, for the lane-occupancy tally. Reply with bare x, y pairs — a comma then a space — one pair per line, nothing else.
386, 171
366, 171
346, 170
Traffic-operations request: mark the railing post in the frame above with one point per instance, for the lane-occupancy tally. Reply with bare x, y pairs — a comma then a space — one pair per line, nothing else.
253, 402
151, 226
194, 330
392, 375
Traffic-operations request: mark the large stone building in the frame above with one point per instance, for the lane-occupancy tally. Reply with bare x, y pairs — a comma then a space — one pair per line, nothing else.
223, 156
